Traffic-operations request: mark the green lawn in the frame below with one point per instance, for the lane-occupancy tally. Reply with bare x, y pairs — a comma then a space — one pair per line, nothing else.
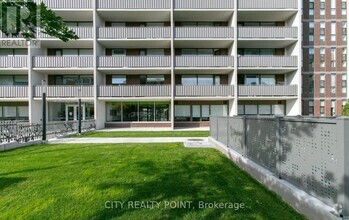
75, 182
143, 134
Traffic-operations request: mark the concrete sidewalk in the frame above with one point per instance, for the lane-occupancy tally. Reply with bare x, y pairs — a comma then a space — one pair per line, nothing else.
153, 129
125, 140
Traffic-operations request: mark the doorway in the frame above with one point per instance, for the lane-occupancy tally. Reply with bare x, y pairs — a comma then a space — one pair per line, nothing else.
72, 112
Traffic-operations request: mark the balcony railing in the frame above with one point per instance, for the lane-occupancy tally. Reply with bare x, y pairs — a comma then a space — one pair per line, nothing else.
82, 32
204, 32
134, 4
135, 91
68, 4
204, 4
64, 91
204, 61
63, 62
13, 91
204, 91
254, 90
134, 62
267, 32
14, 62
134, 32
268, 4
268, 61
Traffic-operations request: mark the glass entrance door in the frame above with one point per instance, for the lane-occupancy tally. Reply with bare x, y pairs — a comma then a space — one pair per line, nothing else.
72, 112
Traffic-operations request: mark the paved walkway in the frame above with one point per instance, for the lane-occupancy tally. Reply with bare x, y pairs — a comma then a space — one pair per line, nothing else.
153, 129
125, 140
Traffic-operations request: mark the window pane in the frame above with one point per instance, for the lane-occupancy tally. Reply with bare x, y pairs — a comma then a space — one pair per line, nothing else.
217, 80
241, 109
155, 52
218, 110
267, 80
10, 112
146, 111
130, 112
196, 112
162, 112
70, 80
119, 52
268, 52
205, 52
251, 52
0, 111
118, 79
6, 80
70, 52
86, 52
114, 112
206, 80
21, 81
156, 79
89, 111
20, 52
251, 109
205, 112
182, 112
23, 111
189, 80
251, 80
6, 52
265, 109
189, 52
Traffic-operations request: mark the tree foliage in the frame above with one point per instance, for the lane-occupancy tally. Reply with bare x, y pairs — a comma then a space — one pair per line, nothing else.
26, 17
345, 111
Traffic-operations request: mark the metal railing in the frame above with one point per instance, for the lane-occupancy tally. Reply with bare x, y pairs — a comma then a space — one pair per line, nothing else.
56, 129
135, 91
13, 91
64, 91
267, 4
134, 61
63, 62
68, 4
82, 32
204, 4
268, 61
204, 61
133, 4
134, 32
275, 90
204, 91
204, 32
267, 32
13, 62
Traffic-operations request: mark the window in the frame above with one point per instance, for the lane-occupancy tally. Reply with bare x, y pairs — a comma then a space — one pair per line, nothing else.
344, 57
79, 23
322, 83
118, 52
13, 52
333, 83
146, 111
152, 79
333, 7
322, 108
10, 112
251, 109
23, 111
322, 56
333, 107
344, 83
311, 57
311, 108
155, 52
322, 31
201, 52
182, 113
264, 109
322, 7
311, 7
311, 84
257, 80
202, 80
196, 112
344, 31
344, 7
333, 57
311, 31
119, 80
333, 31
268, 80
18, 80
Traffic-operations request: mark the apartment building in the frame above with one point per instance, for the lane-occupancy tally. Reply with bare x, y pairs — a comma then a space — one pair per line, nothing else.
159, 63
325, 72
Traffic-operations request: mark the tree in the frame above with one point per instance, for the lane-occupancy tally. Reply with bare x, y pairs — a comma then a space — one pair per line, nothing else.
25, 17
345, 111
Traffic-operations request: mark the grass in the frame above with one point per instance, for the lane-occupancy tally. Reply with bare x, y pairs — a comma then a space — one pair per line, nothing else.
143, 134
75, 181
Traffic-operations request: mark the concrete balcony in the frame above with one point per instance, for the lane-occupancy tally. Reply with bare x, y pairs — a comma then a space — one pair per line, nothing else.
68, 4
268, 4
17, 62
133, 4
253, 91
13, 92
134, 32
204, 32
134, 62
204, 4
267, 32
64, 91
63, 62
268, 62
204, 61
82, 32
135, 91
204, 91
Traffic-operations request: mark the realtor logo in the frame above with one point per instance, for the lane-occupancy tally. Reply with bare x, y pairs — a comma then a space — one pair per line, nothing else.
17, 19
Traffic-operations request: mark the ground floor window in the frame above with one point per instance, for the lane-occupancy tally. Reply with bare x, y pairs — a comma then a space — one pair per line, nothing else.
138, 111
61, 111
261, 109
14, 112
199, 112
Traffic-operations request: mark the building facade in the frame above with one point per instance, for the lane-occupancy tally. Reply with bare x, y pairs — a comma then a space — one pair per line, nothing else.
160, 63
325, 72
